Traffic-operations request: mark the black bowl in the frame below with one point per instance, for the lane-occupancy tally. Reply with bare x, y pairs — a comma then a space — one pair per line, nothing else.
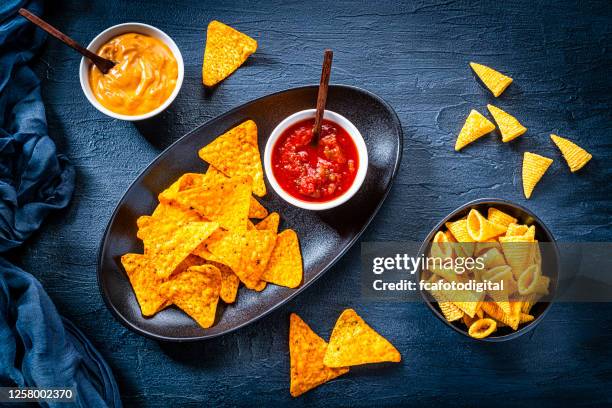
550, 264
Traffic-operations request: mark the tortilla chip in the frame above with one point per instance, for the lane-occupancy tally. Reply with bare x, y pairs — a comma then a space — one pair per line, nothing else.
534, 167
475, 127
306, 350
575, 156
185, 182
269, 223
229, 283
256, 210
250, 225
226, 50
214, 176
222, 246
168, 250
226, 203
509, 127
145, 282
236, 154
285, 265
494, 80
499, 217
353, 342
256, 251
196, 292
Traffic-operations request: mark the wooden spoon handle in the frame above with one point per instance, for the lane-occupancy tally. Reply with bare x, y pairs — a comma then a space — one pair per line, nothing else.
322, 96
102, 63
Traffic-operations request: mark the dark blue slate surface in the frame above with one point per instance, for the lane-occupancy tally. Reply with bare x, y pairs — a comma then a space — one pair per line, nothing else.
415, 56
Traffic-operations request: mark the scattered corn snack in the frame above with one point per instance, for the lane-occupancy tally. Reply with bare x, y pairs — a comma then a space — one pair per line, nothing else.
494, 80
226, 50
306, 351
509, 127
575, 156
475, 127
534, 167
353, 342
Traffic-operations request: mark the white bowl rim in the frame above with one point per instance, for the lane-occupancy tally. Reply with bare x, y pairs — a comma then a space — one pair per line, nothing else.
113, 31
362, 153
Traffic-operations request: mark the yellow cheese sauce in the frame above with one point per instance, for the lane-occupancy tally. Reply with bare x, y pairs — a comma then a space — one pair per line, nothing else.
143, 78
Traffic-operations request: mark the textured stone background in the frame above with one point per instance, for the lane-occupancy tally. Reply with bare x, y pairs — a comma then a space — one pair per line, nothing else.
415, 55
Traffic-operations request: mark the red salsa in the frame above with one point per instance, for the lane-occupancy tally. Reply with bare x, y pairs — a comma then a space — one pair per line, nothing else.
315, 172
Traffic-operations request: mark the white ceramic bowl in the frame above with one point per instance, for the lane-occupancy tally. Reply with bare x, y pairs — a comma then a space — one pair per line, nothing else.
112, 32
353, 132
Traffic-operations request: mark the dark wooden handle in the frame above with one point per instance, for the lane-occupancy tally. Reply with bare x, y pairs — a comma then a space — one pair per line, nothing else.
322, 96
102, 63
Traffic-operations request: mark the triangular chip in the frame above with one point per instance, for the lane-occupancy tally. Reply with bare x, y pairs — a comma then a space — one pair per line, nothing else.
185, 182
353, 342
169, 249
226, 203
494, 80
226, 50
508, 125
575, 156
534, 167
236, 154
224, 247
229, 283
145, 283
256, 251
214, 176
285, 265
196, 292
306, 351
475, 127
269, 223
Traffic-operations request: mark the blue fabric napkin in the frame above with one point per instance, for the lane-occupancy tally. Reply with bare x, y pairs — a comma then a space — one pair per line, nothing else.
38, 348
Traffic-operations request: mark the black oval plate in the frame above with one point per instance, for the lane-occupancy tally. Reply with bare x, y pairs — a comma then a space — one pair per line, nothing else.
324, 236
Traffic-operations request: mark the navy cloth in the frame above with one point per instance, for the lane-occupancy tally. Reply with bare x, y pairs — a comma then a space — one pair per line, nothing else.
38, 348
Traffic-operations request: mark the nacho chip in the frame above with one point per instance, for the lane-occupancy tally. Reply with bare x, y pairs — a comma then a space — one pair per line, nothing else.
534, 167
499, 217
509, 127
196, 292
256, 210
575, 156
214, 176
494, 80
482, 328
185, 182
306, 350
168, 250
285, 265
236, 154
475, 127
480, 228
145, 282
269, 223
256, 251
353, 342
222, 246
226, 50
229, 283
226, 203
